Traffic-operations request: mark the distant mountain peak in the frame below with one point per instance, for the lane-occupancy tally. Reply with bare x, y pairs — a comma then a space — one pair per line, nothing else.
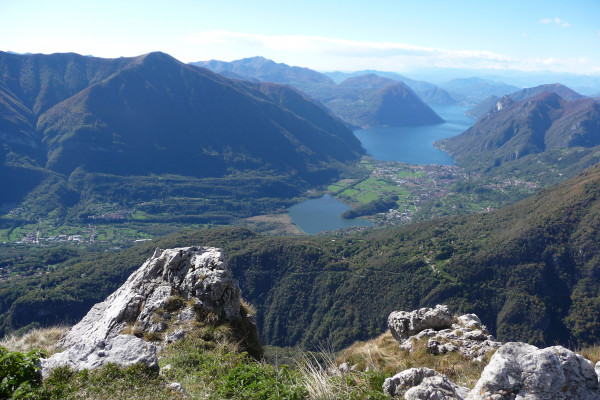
361, 101
556, 88
157, 56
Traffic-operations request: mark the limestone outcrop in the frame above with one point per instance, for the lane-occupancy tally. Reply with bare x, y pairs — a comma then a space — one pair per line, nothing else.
404, 324
516, 371
155, 306
423, 383
522, 371
445, 333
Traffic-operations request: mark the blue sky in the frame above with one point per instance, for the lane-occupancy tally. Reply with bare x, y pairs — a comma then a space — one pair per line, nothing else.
345, 35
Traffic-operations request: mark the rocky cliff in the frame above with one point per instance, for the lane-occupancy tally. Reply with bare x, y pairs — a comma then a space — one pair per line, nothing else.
171, 294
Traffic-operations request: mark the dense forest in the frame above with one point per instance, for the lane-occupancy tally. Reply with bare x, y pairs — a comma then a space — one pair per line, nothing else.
529, 270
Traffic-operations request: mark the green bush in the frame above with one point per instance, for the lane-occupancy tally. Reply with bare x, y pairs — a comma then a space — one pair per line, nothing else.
255, 381
19, 373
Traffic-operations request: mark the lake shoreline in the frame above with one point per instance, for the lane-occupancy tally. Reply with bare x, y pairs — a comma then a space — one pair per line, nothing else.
408, 145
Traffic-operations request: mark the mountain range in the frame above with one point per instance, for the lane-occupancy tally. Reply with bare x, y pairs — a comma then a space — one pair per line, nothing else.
485, 105
473, 90
152, 114
513, 132
365, 101
427, 91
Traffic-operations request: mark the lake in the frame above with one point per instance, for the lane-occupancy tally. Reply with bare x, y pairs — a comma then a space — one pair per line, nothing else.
414, 144
322, 214
411, 145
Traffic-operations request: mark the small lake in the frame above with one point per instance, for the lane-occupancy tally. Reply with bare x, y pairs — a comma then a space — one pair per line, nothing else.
411, 145
322, 214
414, 144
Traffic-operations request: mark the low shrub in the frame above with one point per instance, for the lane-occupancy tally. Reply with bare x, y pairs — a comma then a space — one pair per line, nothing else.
19, 373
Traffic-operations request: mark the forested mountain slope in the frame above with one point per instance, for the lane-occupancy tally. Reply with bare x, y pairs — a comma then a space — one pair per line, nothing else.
529, 270
539, 136
75, 125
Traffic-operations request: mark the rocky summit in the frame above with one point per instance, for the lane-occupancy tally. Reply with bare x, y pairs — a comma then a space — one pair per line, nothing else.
158, 304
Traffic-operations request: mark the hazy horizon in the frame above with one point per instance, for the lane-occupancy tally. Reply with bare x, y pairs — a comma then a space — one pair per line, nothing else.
399, 36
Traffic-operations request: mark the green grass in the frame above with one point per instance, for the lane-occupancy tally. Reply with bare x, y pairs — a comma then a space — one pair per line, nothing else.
350, 193
366, 197
334, 188
367, 165
370, 189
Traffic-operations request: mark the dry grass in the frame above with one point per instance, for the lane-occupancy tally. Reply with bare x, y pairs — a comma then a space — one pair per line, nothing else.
383, 354
315, 376
591, 353
323, 380
247, 308
43, 338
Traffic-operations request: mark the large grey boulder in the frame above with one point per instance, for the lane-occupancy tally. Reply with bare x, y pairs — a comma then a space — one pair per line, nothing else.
519, 371
159, 301
404, 324
423, 383
436, 388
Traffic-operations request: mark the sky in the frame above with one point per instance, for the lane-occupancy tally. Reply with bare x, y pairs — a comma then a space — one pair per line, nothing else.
348, 35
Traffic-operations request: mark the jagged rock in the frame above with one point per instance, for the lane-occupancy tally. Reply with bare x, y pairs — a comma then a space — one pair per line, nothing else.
467, 335
437, 387
522, 371
404, 324
437, 348
120, 349
470, 321
423, 383
517, 371
402, 381
159, 300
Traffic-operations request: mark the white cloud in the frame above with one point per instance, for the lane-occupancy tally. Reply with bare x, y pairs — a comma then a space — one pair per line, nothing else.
324, 53
557, 21
336, 47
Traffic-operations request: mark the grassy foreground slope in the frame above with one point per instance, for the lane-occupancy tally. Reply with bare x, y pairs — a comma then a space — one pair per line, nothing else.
529, 270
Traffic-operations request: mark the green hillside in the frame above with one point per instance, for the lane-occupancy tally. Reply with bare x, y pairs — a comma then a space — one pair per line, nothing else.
528, 270
542, 137
173, 142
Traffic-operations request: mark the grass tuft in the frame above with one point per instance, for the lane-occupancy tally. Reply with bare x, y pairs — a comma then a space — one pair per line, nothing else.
42, 338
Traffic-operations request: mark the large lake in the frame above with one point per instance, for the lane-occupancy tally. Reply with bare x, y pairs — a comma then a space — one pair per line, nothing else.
411, 145
414, 144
